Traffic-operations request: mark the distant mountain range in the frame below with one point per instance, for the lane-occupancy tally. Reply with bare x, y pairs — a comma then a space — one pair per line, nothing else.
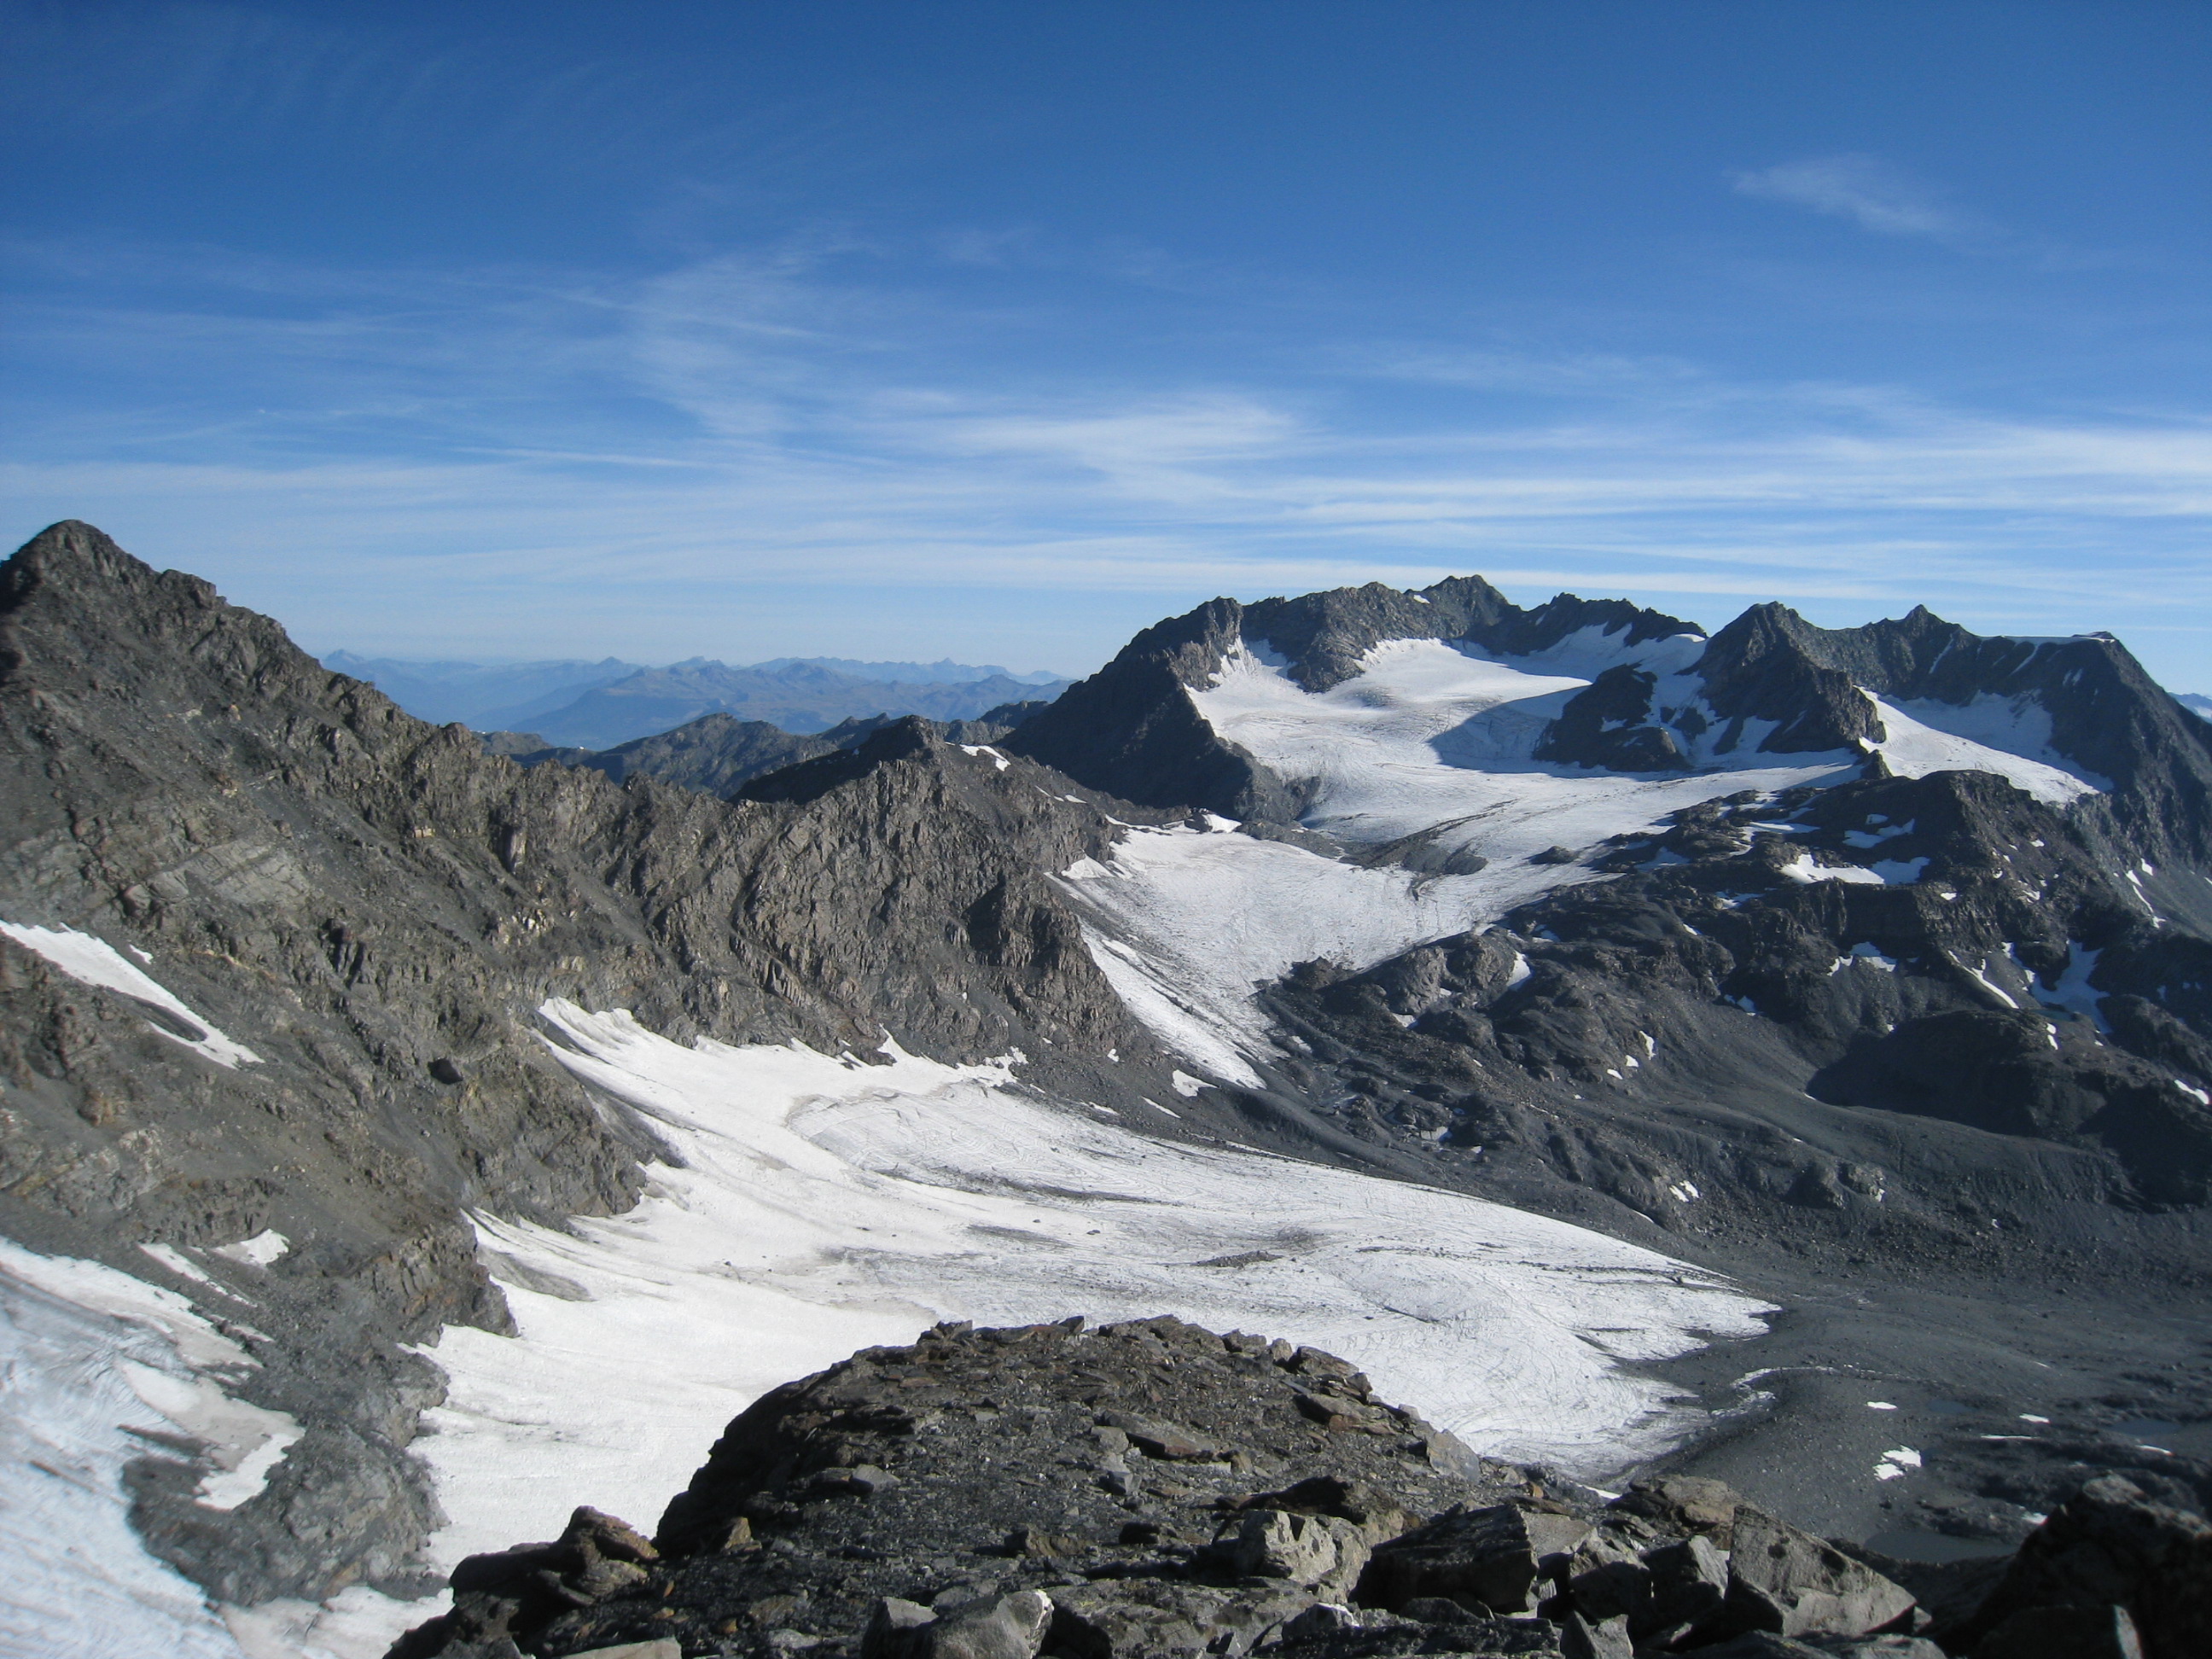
943, 671
599, 705
2197, 704
487, 695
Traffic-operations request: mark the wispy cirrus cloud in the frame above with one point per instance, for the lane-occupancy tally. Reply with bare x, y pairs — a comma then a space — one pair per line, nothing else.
1871, 194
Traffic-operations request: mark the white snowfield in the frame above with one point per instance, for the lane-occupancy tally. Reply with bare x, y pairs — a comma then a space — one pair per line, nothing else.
1428, 740
818, 1205
822, 1204
2007, 736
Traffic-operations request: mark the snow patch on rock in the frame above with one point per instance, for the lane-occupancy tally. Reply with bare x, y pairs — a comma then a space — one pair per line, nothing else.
90, 1357
2009, 736
95, 962
1425, 738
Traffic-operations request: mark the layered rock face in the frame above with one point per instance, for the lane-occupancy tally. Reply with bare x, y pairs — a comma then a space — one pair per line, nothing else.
1153, 1488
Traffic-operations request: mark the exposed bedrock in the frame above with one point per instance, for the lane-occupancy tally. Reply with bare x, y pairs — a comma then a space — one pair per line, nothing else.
1151, 1489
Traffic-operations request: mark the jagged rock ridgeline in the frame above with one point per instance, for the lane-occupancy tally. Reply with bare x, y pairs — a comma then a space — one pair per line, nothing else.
1769, 682
1151, 1489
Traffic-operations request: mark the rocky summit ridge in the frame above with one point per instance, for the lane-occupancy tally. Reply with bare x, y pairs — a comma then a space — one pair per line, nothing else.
1151, 1489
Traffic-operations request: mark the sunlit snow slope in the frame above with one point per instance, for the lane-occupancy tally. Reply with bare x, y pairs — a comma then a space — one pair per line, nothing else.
1429, 740
822, 1205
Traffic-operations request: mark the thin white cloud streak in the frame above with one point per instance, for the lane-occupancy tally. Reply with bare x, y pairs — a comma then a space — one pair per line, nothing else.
401, 92
1871, 195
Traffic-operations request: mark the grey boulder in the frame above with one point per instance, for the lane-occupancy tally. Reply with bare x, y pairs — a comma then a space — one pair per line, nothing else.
1009, 1627
1319, 1551
1788, 1583
1493, 1557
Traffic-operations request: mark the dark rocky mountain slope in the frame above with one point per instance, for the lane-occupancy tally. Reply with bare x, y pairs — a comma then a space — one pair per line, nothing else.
375, 908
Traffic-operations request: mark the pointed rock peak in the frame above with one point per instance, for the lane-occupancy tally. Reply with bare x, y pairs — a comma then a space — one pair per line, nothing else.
1470, 595
76, 556
1892, 657
74, 608
1763, 625
907, 736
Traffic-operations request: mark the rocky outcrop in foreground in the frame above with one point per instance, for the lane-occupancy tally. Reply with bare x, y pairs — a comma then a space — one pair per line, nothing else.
1153, 1488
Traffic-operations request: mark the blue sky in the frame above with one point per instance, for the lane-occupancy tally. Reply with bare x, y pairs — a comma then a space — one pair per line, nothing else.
1001, 330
